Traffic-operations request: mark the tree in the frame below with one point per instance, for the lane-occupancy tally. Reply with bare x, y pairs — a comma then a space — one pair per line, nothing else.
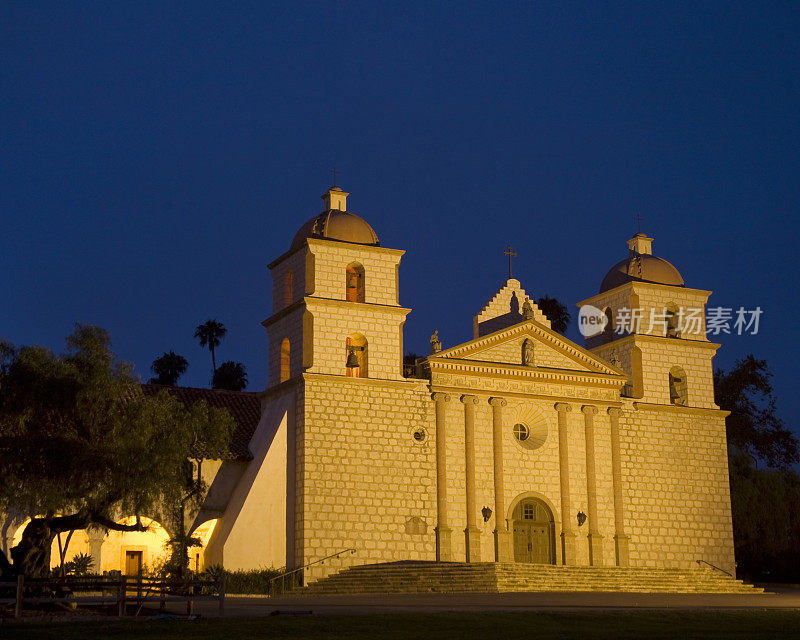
753, 427
81, 445
556, 313
231, 376
210, 334
765, 503
168, 368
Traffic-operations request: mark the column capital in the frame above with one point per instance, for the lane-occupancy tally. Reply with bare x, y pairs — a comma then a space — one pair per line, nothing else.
467, 399
614, 411
439, 396
498, 402
563, 406
589, 409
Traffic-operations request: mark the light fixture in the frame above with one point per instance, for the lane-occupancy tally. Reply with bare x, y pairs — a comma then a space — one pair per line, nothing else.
486, 512
581, 518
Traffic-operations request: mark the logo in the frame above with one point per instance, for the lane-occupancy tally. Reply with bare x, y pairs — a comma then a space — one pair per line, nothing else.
591, 321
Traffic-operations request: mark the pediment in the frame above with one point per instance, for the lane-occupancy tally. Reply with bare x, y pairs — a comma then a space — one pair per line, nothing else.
550, 350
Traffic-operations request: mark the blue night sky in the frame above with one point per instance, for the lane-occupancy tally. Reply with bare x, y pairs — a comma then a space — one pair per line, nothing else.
157, 156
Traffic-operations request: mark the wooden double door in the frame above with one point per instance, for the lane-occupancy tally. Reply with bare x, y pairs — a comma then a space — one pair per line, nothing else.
534, 533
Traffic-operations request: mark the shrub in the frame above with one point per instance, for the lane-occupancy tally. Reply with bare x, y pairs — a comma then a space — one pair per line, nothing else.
241, 581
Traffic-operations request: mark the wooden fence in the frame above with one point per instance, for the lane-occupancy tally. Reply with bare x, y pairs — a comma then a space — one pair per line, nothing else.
125, 593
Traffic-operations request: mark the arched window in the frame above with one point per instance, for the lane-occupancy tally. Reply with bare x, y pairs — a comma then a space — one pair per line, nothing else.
286, 361
673, 321
288, 285
356, 354
354, 282
608, 330
678, 387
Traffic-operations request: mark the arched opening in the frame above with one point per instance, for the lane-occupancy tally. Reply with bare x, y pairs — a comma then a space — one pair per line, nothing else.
672, 318
534, 532
678, 387
356, 354
288, 288
355, 282
130, 553
608, 329
286, 361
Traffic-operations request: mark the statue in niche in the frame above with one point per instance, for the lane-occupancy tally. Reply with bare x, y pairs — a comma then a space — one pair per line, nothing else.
527, 310
527, 353
436, 344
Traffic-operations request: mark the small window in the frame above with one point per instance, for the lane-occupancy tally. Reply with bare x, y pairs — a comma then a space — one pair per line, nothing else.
521, 432
354, 282
678, 387
286, 361
529, 511
288, 288
420, 435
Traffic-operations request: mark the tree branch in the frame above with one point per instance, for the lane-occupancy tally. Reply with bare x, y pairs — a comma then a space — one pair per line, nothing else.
108, 523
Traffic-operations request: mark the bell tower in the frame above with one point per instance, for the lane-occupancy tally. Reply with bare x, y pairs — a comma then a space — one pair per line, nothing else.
335, 299
654, 329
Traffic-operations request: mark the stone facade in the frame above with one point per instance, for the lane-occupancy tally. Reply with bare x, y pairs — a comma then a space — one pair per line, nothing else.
518, 445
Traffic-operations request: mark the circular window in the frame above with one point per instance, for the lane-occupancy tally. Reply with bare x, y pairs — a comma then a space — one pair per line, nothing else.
420, 435
528, 423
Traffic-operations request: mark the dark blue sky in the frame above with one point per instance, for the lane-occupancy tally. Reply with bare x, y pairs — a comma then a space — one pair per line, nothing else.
156, 156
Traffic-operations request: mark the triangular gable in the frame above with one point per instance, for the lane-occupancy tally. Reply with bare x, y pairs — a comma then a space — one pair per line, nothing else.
551, 350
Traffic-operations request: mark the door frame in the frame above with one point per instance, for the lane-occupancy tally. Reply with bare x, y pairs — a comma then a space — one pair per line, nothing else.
556, 524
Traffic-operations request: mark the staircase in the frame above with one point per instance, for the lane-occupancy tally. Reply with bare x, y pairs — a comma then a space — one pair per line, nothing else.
491, 577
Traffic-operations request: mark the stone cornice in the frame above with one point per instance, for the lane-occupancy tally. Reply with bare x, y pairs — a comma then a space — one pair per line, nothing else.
374, 382
636, 284
671, 408
323, 242
646, 337
309, 302
313, 301
506, 371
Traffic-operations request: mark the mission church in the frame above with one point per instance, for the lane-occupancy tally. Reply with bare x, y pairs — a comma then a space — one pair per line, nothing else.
518, 446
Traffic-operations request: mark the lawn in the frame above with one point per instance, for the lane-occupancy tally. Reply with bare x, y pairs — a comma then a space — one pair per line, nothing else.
585, 625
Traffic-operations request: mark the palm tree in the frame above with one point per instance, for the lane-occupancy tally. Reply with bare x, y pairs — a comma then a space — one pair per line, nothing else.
231, 376
555, 312
210, 334
168, 368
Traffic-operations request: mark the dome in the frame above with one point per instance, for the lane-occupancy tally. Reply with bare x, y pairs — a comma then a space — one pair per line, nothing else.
641, 266
336, 224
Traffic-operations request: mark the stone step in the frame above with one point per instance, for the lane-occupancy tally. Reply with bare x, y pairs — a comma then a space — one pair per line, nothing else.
488, 577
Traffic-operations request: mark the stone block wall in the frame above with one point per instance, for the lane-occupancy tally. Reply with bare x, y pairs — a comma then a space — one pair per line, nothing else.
677, 493
362, 474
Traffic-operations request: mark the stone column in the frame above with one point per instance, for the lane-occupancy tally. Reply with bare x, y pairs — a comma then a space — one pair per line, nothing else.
472, 533
96, 539
502, 542
567, 532
620, 538
595, 539
443, 545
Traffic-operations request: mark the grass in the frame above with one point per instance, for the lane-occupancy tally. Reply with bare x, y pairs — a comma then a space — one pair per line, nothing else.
585, 625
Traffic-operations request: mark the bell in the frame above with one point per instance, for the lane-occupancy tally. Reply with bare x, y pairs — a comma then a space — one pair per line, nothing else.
352, 360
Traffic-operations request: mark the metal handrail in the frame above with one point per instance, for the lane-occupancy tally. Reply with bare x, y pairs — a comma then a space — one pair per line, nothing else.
713, 566
282, 577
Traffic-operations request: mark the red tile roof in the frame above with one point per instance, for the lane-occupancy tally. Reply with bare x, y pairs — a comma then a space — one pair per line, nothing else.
245, 407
